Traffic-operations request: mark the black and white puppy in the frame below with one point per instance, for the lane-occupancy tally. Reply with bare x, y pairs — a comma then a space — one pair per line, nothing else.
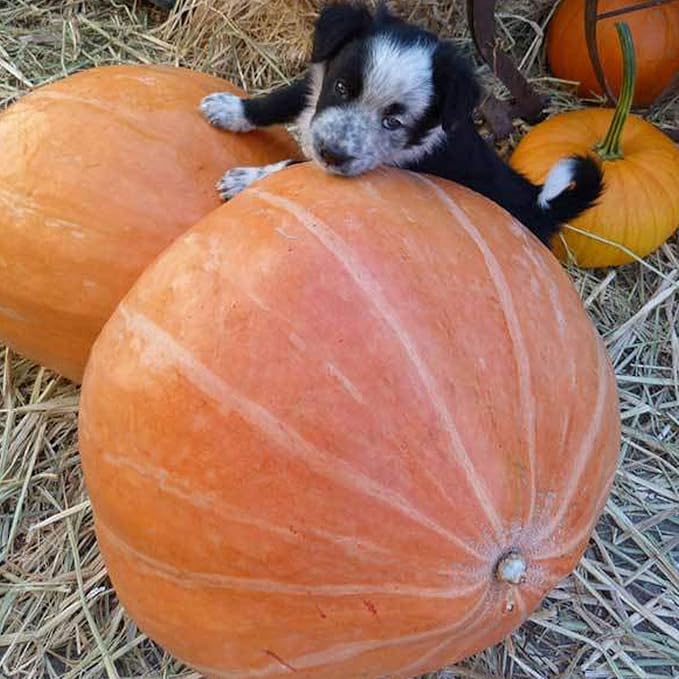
380, 91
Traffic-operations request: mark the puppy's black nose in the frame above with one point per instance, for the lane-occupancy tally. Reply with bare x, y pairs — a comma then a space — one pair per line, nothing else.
333, 156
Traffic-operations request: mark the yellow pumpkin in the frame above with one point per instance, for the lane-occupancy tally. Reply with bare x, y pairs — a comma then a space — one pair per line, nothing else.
639, 209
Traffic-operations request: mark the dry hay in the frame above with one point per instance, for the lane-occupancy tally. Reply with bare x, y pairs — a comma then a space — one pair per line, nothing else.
262, 41
614, 617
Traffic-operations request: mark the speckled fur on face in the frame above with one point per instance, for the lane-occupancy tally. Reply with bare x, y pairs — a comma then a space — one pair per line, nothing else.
393, 76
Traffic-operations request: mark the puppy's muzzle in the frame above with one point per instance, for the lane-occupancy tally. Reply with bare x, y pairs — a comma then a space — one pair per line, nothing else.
333, 156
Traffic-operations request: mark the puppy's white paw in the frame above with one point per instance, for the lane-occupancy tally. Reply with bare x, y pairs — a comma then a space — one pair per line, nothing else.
236, 180
226, 111
239, 178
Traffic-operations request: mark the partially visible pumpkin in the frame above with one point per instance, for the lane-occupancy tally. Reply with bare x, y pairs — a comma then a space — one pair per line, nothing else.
655, 30
346, 429
99, 173
639, 208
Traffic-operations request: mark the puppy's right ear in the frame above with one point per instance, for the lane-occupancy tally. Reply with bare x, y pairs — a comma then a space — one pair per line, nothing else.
456, 87
337, 24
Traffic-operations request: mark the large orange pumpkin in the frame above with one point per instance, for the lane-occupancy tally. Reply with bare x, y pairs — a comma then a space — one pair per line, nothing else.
347, 428
656, 35
99, 173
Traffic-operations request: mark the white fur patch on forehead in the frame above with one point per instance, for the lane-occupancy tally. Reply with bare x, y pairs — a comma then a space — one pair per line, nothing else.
398, 73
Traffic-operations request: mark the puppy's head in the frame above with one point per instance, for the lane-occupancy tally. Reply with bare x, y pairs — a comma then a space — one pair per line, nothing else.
384, 92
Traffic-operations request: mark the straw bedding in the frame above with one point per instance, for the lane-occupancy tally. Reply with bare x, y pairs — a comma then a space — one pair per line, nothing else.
614, 617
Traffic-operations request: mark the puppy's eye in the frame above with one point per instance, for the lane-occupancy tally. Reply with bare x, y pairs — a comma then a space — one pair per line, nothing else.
391, 123
341, 89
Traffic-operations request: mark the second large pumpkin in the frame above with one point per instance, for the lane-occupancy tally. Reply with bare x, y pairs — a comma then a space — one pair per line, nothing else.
99, 173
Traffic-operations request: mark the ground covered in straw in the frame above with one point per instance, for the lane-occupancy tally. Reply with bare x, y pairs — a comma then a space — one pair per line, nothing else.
616, 616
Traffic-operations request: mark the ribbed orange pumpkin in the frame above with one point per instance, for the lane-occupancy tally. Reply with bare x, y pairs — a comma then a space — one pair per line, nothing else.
347, 428
99, 173
656, 34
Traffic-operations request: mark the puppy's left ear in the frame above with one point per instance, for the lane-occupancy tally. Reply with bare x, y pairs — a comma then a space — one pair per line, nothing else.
384, 15
457, 90
337, 24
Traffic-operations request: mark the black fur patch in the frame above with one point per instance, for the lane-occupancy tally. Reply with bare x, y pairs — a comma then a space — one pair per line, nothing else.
457, 90
347, 66
338, 24
430, 120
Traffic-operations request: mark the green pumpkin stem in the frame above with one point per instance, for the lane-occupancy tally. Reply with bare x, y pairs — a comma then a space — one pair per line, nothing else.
610, 147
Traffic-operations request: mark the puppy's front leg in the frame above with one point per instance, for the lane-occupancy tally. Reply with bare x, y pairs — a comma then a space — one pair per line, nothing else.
239, 178
230, 112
